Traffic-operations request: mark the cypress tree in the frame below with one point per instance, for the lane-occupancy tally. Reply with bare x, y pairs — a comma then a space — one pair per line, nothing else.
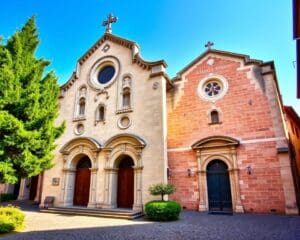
28, 107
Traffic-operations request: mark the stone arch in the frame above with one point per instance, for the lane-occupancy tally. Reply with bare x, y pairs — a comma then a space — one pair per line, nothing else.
72, 152
222, 148
120, 154
124, 144
213, 157
80, 146
117, 146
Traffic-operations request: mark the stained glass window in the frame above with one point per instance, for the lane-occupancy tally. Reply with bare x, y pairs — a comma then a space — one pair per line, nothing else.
212, 89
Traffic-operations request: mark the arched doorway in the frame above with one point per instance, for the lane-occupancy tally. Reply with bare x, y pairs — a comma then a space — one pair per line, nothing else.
82, 182
218, 187
125, 183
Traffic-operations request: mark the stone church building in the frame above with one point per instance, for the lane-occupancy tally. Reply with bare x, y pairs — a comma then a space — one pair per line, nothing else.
216, 131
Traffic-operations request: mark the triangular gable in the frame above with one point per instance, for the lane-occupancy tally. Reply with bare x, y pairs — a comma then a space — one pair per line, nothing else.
245, 58
136, 58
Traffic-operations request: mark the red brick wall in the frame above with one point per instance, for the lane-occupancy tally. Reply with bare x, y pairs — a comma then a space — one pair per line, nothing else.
245, 116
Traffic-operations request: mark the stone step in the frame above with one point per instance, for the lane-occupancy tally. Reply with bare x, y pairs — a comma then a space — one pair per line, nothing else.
108, 213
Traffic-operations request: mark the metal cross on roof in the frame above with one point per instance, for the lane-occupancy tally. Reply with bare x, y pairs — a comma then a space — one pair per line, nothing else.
209, 44
110, 19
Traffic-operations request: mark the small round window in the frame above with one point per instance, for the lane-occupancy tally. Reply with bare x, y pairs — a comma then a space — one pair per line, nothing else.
106, 74
212, 88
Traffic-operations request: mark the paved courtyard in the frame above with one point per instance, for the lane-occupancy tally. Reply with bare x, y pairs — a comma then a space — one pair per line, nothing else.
192, 225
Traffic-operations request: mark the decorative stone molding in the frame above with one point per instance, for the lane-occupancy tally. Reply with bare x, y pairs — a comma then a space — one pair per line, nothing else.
221, 148
115, 148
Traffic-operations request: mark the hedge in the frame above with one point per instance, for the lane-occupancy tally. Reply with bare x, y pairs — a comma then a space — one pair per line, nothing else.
11, 218
4, 197
162, 210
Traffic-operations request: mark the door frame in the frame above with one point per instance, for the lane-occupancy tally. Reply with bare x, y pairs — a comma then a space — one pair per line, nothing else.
223, 148
219, 185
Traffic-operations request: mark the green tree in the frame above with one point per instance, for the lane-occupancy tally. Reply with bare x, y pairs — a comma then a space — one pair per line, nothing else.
162, 189
28, 107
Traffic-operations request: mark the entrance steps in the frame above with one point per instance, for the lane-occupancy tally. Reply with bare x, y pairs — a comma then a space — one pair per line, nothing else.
95, 212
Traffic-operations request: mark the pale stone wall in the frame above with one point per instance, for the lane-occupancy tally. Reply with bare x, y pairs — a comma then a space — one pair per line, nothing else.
147, 121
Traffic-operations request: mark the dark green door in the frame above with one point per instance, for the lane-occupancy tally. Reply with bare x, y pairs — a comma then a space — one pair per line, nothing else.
219, 194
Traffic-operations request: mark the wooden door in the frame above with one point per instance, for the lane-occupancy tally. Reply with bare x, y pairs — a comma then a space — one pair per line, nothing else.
125, 188
82, 186
218, 184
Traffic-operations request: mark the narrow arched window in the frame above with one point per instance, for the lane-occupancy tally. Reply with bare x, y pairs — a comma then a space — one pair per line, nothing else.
214, 115
81, 106
126, 98
101, 114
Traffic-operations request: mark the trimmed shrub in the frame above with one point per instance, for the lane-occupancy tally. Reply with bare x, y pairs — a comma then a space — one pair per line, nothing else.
162, 210
4, 197
11, 218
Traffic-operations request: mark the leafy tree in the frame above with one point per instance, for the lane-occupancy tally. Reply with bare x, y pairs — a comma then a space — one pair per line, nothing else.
162, 189
28, 107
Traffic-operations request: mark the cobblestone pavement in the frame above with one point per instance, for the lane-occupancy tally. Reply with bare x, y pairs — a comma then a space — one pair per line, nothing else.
192, 225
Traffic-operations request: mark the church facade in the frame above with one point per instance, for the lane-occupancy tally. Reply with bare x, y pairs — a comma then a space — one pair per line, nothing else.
215, 131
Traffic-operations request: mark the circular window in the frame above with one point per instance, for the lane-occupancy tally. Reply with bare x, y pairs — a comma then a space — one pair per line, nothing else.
106, 74
79, 129
124, 122
212, 88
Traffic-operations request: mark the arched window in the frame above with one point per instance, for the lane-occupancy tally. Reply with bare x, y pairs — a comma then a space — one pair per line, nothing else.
126, 98
81, 106
214, 116
101, 114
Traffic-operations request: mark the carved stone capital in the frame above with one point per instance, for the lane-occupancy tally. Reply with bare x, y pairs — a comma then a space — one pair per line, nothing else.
138, 168
69, 170
114, 170
94, 170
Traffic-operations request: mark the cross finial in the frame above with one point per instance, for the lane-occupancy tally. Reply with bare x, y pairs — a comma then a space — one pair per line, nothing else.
110, 19
209, 44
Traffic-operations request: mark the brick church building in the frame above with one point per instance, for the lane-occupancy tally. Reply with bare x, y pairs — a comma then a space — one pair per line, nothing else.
216, 131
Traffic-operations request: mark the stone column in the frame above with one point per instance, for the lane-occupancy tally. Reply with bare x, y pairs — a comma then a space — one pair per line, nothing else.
24, 189
201, 182
238, 207
67, 191
138, 200
93, 188
202, 191
110, 184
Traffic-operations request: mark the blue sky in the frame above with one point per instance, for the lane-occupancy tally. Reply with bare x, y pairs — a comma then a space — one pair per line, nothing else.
173, 30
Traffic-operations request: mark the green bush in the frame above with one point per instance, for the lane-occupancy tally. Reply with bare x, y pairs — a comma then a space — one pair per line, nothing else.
4, 197
11, 218
162, 210
6, 224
